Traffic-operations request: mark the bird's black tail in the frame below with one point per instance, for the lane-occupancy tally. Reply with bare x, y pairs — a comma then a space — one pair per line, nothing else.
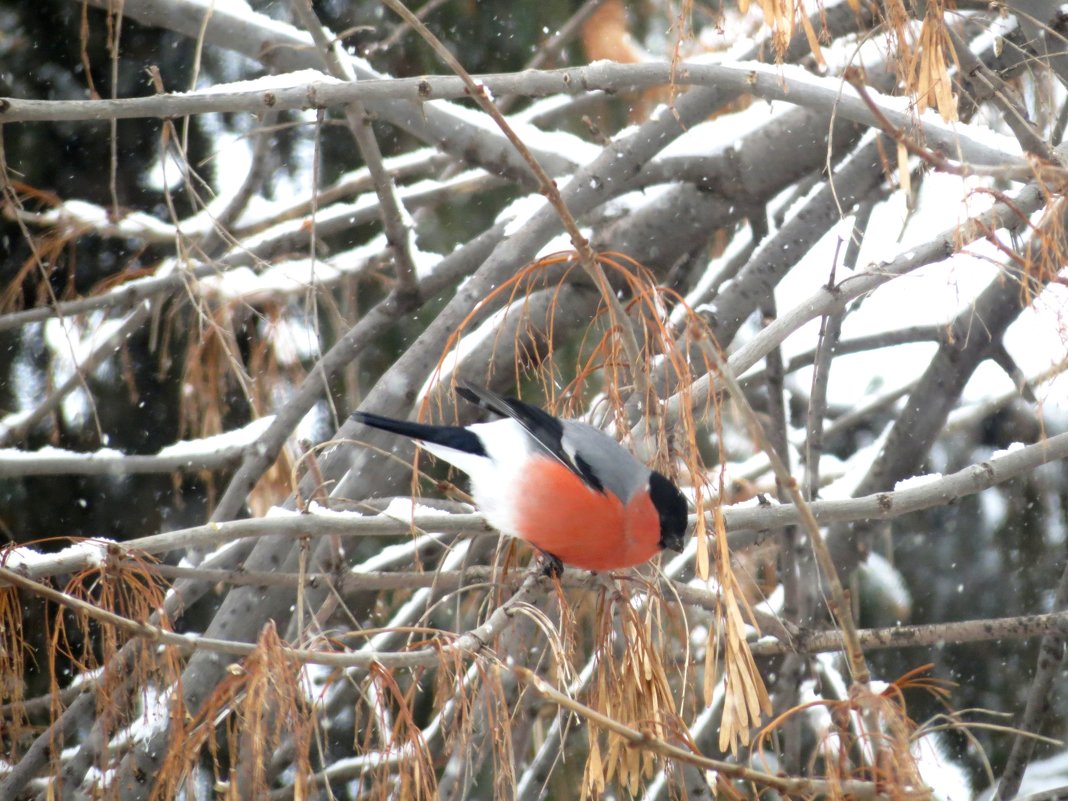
455, 437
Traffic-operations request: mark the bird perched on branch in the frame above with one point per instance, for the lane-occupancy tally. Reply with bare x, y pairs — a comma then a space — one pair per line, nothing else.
565, 487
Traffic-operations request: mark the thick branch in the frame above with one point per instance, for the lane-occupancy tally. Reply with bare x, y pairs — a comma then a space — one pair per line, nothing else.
305, 90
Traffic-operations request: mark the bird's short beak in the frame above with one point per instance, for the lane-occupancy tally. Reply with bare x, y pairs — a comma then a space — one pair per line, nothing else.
675, 541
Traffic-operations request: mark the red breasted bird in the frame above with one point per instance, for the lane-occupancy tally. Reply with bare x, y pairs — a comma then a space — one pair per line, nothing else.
565, 487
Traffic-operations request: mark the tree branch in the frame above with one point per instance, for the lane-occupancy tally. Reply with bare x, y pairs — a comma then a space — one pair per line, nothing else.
304, 90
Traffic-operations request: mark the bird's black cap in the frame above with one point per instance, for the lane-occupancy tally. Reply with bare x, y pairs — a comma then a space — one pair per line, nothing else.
670, 504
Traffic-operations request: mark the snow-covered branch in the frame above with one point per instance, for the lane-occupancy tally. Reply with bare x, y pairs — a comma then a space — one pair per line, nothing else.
210, 453
308, 89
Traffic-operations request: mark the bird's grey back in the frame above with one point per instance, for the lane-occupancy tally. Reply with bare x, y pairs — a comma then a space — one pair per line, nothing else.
613, 464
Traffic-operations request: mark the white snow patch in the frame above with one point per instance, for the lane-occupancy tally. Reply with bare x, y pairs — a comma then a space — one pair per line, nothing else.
560, 144
561, 243
285, 80
73, 342
281, 511
855, 468
263, 25
51, 454
1013, 447
291, 277
166, 174
238, 438
88, 553
995, 509
886, 586
1042, 775
292, 339
134, 224
913, 482
945, 777
519, 212
406, 508
317, 509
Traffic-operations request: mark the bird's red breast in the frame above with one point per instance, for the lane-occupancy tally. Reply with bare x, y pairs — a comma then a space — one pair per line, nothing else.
562, 515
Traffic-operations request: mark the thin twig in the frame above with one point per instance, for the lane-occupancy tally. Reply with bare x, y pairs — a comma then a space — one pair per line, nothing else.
1050, 658
773, 379
788, 678
220, 235
403, 28
398, 235
985, 630
859, 344
556, 42
829, 346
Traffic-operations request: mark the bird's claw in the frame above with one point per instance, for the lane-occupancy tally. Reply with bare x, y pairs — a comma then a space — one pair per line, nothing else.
554, 567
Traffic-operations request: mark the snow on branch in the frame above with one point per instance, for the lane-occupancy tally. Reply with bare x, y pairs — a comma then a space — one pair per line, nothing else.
309, 89
208, 453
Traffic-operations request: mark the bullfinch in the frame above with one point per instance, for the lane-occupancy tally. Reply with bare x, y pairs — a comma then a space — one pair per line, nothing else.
563, 486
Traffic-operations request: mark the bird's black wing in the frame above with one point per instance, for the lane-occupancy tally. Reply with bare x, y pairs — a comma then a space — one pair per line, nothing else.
546, 430
455, 437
